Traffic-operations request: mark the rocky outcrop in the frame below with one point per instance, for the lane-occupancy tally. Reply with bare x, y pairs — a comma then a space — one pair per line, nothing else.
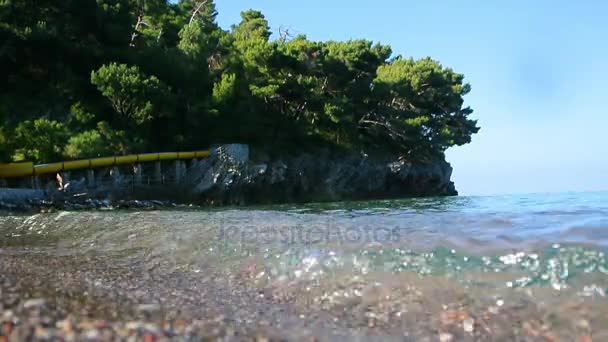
229, 176
19, 199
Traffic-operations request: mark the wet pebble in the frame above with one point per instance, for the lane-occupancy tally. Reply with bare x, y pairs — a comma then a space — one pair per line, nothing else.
446, 337
34, 303
468, 325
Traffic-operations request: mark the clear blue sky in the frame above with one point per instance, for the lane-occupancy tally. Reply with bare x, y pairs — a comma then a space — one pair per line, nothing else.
538, 69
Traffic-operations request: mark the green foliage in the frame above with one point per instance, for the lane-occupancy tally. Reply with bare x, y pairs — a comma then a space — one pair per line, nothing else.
39, 140
253, 26
192, 41
126, 76
87, 144
80, 114
4, 145
118, 142
131, 92
421, 102
224, 90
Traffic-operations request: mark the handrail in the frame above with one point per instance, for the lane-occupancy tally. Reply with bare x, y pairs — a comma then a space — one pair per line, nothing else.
25, 169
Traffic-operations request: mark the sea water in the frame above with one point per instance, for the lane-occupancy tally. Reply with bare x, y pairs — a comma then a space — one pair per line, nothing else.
516, 266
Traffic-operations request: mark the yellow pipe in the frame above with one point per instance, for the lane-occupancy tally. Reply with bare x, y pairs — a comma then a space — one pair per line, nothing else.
202, 154
28, 168
167, 156
101, 162
148, 157
16, 169
186, 155
76, 164
126, 160
46, 168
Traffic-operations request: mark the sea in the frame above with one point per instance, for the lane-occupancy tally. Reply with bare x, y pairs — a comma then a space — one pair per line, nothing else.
511, 267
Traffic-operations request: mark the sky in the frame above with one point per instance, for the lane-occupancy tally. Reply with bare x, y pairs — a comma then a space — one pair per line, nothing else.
538, 71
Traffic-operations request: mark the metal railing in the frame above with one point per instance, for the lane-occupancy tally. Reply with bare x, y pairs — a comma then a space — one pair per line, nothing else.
25, 169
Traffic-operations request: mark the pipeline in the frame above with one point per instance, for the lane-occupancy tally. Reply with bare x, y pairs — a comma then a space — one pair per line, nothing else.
12, 170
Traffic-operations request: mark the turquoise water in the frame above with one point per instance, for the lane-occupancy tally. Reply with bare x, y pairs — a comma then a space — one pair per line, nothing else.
399, 256
551, 238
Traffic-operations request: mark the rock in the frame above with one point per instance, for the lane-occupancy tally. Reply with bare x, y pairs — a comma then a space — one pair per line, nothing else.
260, 169
149, 308
278, 172
228, 177
233, 153
468, 325
133, 325
583, 324
446, 337
91, 335
8, 316
34, 303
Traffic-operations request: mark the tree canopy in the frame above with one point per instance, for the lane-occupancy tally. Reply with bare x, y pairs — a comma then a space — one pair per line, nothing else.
84, 78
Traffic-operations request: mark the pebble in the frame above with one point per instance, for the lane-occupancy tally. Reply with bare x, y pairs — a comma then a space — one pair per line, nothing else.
446, 337
148, 308
91, 334
583, 324
34, 303
133, 325
8, 316
468, 325
116, 325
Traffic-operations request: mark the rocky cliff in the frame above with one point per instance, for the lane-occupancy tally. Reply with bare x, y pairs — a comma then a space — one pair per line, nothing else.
230, 176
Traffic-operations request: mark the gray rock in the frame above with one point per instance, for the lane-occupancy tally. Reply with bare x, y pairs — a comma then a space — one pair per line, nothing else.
34, 303
148, 308
225, 179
